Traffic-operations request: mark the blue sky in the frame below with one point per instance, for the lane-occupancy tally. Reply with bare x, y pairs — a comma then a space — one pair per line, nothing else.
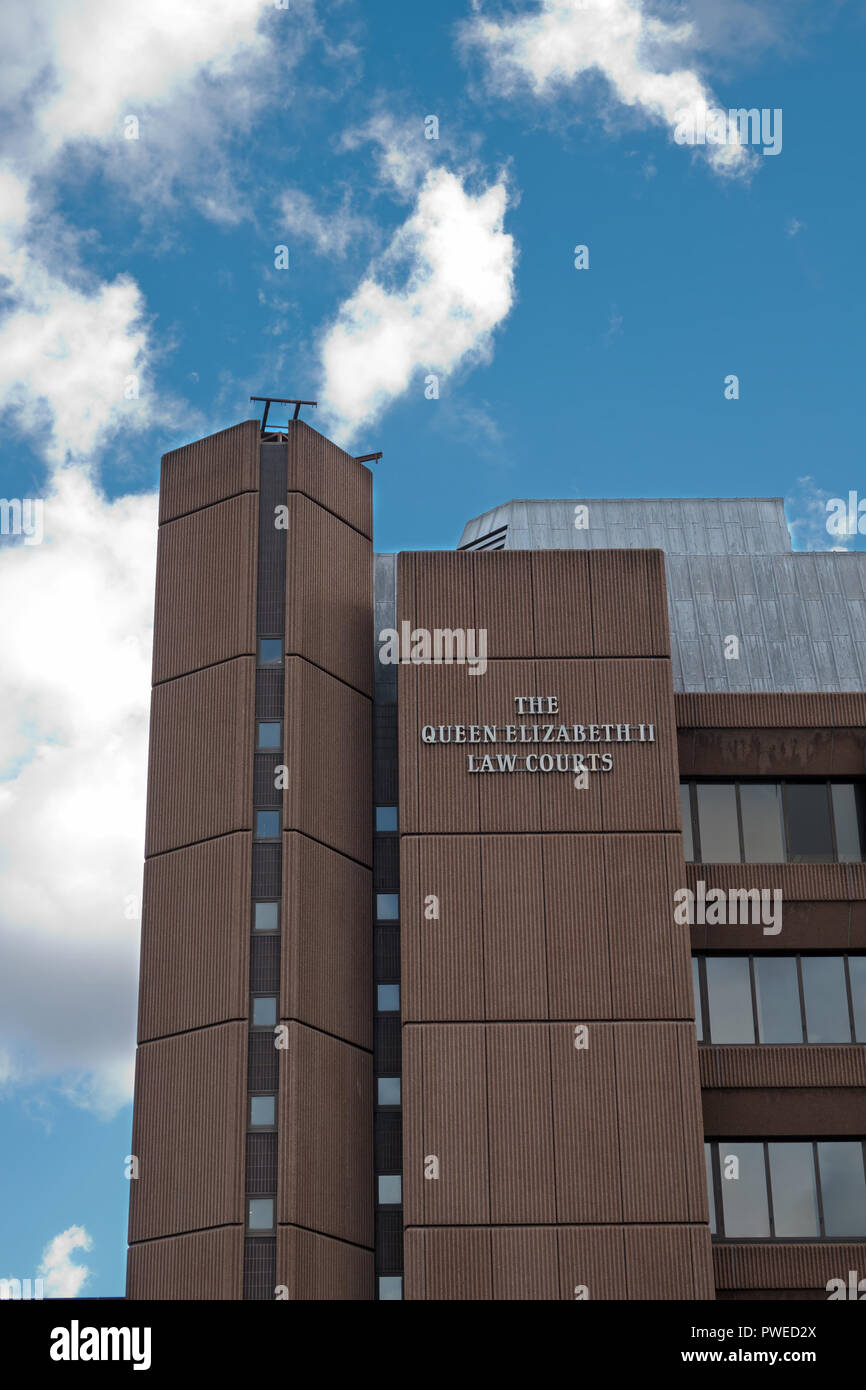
304, 127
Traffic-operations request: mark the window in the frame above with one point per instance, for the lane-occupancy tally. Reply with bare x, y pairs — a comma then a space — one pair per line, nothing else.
267, 825
262, 1112
387, 907
826, 997
268, 734
699, 1008
270, 651
386, 820
266, 916
785, 999
787, 1189
387, 998
729, 996
388, 1090
260, 1213
390, 1287
390, 1189
778, 998
843, 1191
264, 1011
769, 822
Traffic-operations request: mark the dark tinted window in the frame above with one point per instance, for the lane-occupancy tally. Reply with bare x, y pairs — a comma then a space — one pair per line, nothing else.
843, 1188
686, 807
810, 838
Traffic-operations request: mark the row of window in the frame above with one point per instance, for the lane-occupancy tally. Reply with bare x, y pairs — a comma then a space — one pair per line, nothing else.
780, 999
787, 1189
266, 911
765, 822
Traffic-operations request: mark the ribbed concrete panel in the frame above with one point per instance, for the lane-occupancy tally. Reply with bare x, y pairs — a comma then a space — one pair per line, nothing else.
522, 1182
445, 1066
204, 1264
315, 1267
659, 1262
504, 603
329, 476
329, 757
414, 1265
200, 769
771, 710
442, 957
629, 603
565, 806
808, 1065
329, 594
648, 950
507, 801
561, 604
209, 470
798, 1112
326, 956
457, 1264
195, 935
591, 1258
797, 882
515, 949
525, 1264
575, 908
326, 1137
585, 1128
206, 588
694, 1166
779, 1266
642, 791
701, 1244
652, 1133
447, 792
444, 591
188, 1132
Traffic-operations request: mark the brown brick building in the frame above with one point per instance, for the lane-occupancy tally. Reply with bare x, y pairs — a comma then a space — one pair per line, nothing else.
449, 1050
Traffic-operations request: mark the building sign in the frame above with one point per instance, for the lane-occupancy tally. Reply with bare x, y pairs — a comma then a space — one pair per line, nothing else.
535, 731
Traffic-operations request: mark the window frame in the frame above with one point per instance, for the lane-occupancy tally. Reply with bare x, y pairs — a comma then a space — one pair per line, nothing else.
692, 784
716, 1204
706, 1040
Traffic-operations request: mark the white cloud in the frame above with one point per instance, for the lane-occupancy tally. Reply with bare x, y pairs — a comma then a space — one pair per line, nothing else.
74, 690
331, 234
457, 264
62, 1278
807, 514
71, 73
648, 61
72, 355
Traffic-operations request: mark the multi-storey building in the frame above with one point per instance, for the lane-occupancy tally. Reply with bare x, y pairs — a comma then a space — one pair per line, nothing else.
505, 908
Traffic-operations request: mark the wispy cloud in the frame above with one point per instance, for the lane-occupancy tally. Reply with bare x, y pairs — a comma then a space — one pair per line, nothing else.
649, 63
806, 513
430, 303
62, 1277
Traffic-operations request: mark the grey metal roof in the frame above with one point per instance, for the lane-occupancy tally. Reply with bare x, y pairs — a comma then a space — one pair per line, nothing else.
800, 617
677, 525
